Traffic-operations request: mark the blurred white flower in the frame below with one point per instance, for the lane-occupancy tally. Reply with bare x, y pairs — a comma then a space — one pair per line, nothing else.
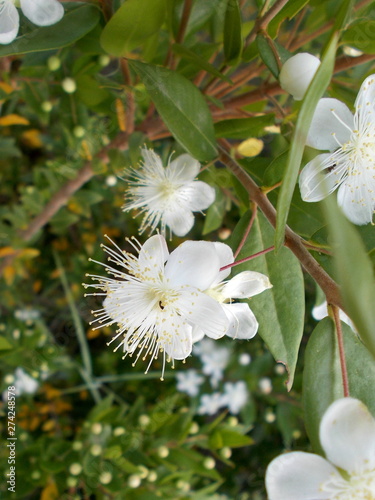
214, 364
211, 403
157, 298
167, 195
235, 396
39, 12
347, 436
297, 72
350, 164
189, 381
23, 383
265, 385
244, 359
321, 311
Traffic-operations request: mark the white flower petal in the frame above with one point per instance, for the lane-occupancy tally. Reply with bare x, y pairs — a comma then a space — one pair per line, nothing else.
347, 435
9, 22
151, 159
154, 253
319, 178
365, 102
178, 344
297, 72
193, 263
197, 334
356, 197
180, 220
225, 254
184, 168
246, 284
198, 194
324, 124
242, 322
203, 311
42, 12
298, 476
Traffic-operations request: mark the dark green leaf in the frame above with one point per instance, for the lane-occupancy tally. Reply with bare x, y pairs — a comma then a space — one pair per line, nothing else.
322, 381
243, 128
361, 35
268, 56
215, 213
131, 25
232, 32
182, 108
67, 31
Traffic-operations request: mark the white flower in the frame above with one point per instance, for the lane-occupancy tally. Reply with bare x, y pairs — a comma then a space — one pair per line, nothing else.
297, 72
189, 381
23, 383
167, 195
242, 322
347, 435
157, 298
350, 165
214, 364
235, 396
321, 311
39, 12
211, 403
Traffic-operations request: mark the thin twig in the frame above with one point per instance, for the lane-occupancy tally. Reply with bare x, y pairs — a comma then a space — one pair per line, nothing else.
246, 259
248, 229
340, 343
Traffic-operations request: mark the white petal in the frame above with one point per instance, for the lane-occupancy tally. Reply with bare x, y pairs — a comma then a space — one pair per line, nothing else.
179, 343
324, 124
154, 253
198, 194
347, 435
193, 263
356, 199
9, 22
297, 72
365, 102
298, 476
179, 220
242, 322
319, 178
225, 254
246, 284
203, 311
184, 168
197, 334
42, 12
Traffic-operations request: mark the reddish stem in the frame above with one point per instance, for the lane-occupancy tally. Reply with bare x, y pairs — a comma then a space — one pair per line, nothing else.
251, 257
340, 342
248, 229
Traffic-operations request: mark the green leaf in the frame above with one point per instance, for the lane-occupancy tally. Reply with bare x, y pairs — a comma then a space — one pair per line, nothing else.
267, 55
280, 310
4, 344
131, 25
182, 108
287, 12
354, 272
322, 381
360, 35
243, 128
189, 55
309, 103
67, 31
232, 32
215, 213
228, 437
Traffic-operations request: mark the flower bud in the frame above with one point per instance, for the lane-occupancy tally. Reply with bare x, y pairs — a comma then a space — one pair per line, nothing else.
69, 85
54, 63
46, 106
105, 478
134, 481
79, 131
297, 73
75, 469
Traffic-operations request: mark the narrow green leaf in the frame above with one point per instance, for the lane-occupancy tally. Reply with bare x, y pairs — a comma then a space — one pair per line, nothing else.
67, 31
322, 381
280, 310
287, 12
4, 344
361, 35
243, 128
232, 32
354, 272
215, 213
313, 94
201, 63
182, 108
267, 55
131, 25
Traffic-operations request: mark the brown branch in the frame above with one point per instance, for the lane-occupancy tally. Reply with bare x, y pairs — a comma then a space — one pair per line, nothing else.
340, 342
292, 240
263, 22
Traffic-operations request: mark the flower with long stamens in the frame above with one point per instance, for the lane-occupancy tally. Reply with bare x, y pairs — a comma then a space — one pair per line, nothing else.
39, 12
347, 436
167, 195
157, 299
350, 164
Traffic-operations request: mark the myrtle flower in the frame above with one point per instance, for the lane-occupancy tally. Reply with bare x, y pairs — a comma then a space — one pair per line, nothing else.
211, 403
235, 396
23, 383
321, 311
39, 12
189, 382
164, 302
347, 436
157, 299
297, 72
214, 363
350, 164
167, 195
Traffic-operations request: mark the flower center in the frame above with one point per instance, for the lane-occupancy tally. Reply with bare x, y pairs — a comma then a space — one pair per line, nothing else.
167, 191
358, 487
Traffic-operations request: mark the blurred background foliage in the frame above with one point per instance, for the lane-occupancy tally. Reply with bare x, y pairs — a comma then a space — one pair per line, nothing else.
75, 109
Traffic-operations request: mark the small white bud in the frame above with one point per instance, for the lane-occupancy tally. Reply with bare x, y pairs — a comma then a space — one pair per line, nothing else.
69, 85
163, 451
54, 63
118, 431
96, 450
35, 475
134, 481
79, 131
209, 463
105, 478
244, 359
111, 181
104, 60
144, 420
47, 106
194, 428
152, 476
226, 452
297, 73
96, 428
71, 482
77, 445
75, 469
